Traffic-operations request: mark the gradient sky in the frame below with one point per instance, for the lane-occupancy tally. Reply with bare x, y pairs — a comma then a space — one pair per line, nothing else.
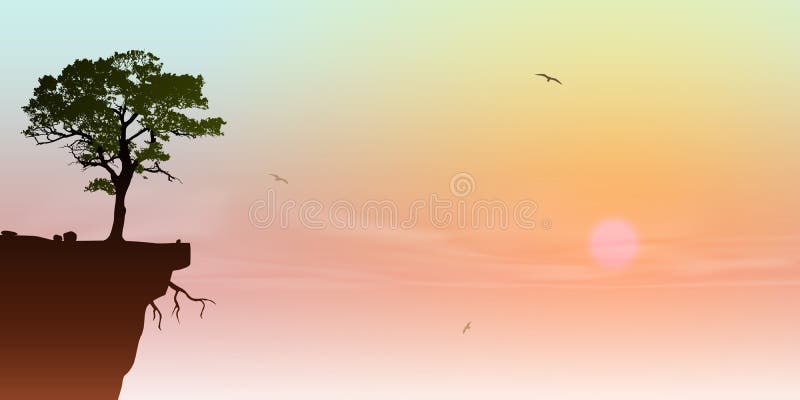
679, 118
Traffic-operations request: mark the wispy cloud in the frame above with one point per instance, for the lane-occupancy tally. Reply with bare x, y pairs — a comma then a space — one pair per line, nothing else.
434, 258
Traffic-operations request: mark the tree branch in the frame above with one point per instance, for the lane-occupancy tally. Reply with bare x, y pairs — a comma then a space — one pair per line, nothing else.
156, 169
116, 110
79, 132
179, 133
137, 134
105, 163
131, 119
52, 135
98, 159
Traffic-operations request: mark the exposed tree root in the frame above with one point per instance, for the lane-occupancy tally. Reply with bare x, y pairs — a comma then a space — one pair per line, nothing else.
176, 309
156, 311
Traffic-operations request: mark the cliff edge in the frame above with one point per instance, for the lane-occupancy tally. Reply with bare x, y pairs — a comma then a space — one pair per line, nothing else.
73, 312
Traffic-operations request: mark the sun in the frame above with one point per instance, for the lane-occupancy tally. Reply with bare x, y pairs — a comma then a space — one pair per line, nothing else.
614, 243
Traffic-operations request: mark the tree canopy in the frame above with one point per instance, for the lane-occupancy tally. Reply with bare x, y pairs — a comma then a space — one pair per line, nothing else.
116, 113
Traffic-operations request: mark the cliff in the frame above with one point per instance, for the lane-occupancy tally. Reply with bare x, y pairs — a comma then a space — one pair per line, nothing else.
73, 312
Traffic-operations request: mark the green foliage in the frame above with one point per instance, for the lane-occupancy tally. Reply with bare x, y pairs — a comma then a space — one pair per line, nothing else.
117, 112
101, 184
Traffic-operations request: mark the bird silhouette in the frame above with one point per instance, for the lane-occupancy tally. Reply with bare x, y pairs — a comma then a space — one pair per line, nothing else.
549, 78
279, 179
467, 327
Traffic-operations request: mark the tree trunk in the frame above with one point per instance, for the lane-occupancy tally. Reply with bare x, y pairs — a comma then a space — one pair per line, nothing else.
119, 210
121, 184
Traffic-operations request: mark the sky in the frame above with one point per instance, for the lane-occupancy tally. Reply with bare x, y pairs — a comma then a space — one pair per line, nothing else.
675, 120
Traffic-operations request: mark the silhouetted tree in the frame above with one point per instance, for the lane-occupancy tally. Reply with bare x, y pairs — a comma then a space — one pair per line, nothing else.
116, 113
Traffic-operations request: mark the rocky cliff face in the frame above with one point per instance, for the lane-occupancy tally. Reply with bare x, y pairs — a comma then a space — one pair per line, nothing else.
73, 312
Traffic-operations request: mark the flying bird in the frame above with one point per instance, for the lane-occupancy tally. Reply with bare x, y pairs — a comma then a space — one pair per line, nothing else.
549, 78
279, 179
467, 327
